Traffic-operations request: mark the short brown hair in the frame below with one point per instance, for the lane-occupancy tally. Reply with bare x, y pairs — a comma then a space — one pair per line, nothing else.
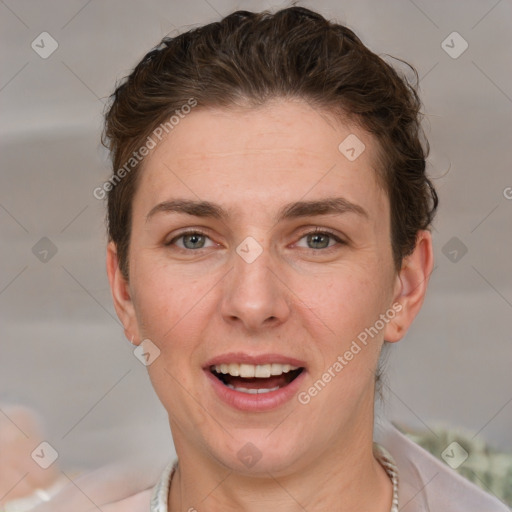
249, 58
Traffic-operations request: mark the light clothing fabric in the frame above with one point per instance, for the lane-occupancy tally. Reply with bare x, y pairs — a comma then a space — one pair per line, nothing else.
425, 484
428, 485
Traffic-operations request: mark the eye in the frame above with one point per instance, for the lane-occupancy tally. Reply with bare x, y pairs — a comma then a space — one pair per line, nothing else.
196, 240
191, 240
320, 239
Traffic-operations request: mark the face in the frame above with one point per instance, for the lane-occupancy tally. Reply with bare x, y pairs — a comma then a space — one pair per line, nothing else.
277, 276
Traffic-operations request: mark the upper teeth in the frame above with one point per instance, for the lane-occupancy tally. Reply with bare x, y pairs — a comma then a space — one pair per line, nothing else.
254, 370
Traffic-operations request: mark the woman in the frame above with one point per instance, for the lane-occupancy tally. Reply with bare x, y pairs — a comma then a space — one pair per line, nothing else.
268, 221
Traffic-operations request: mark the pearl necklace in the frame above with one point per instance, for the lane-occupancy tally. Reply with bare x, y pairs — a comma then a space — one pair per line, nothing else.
161, 490
389, 465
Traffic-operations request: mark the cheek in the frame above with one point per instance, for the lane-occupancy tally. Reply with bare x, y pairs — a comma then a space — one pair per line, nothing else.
165, 301
343, 302
167, 309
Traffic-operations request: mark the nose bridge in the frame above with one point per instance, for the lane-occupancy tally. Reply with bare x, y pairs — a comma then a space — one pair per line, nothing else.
254, 295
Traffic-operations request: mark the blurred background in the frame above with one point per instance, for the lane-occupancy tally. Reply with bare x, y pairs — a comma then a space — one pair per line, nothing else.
63, 351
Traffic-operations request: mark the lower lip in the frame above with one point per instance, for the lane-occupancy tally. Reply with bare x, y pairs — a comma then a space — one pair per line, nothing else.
258, 402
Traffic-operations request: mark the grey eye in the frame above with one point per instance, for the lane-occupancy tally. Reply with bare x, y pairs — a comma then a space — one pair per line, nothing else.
319, 240
190, 240
193, 241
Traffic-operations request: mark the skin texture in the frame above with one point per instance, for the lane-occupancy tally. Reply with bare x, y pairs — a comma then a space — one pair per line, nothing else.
294, 299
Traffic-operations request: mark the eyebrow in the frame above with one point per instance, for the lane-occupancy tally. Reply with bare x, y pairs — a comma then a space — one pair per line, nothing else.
327, 206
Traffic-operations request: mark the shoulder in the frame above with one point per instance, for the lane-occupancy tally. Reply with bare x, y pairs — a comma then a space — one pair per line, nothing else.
154, 498
426, 483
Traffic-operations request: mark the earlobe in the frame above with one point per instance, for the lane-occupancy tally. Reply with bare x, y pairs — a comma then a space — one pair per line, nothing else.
121, 296
411, 286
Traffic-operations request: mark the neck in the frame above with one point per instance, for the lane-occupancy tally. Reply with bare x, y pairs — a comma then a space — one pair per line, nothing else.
346, 477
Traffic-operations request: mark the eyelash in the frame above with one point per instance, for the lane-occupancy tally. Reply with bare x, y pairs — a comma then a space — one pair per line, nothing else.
316, 231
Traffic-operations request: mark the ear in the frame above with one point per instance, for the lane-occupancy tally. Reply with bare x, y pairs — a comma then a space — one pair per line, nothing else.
411, 286
120, 289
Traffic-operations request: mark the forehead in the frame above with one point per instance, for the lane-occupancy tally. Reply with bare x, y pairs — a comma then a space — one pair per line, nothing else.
280, 152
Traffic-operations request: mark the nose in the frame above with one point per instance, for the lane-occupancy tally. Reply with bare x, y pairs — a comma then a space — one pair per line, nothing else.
255, 294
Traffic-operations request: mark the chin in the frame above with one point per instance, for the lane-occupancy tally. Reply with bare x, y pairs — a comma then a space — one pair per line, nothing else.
257, 453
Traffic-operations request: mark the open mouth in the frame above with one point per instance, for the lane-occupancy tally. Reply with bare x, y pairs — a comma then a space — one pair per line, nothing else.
255, 379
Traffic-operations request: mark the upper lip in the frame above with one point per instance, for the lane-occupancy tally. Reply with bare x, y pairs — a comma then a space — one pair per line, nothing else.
242, 357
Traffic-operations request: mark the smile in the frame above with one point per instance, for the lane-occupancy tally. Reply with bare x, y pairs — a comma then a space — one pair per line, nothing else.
255, 379
255, 383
